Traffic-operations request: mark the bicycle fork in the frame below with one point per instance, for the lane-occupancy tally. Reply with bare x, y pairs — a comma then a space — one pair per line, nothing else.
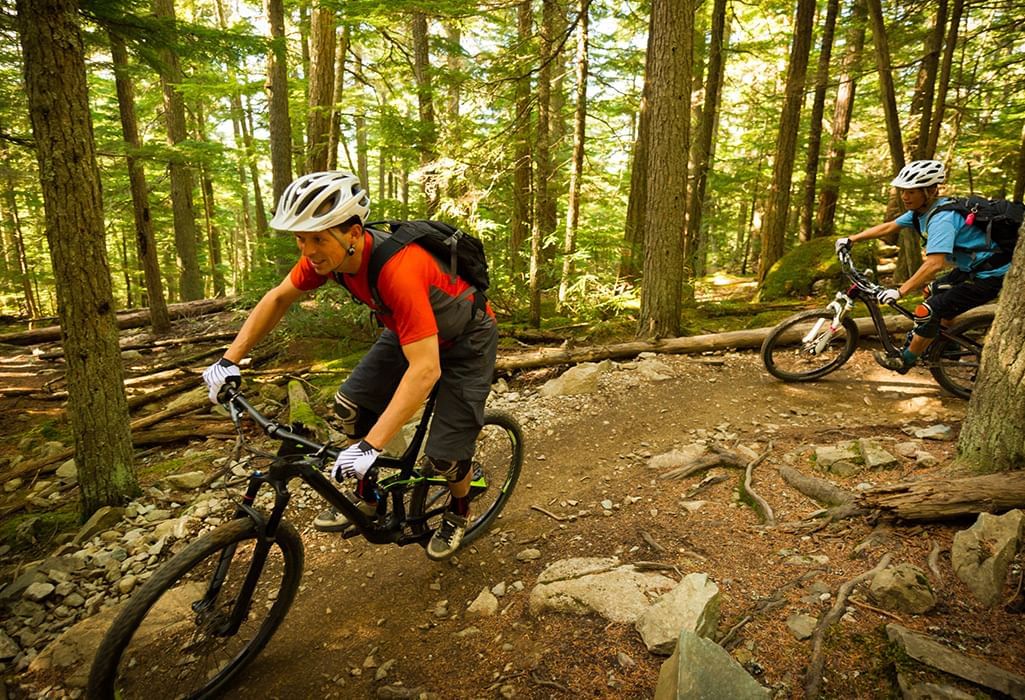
266, 527
817, 340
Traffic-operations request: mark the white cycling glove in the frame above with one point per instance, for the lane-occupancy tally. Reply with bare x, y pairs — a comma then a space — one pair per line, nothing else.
843, 244
217, 374
355, 461
888, 296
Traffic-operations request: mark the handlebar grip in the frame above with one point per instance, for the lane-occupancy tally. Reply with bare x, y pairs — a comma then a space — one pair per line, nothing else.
229, 389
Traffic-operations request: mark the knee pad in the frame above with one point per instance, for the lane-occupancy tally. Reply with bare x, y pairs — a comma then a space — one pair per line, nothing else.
356, 421
926, 323
453, 472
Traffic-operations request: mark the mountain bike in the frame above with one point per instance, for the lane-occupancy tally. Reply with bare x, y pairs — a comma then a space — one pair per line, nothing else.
206, 613
811, 344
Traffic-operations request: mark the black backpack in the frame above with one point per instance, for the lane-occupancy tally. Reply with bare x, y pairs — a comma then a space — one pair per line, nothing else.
461, 253
998, 218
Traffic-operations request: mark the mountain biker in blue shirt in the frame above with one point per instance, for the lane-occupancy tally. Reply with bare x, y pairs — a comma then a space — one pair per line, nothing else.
979, 264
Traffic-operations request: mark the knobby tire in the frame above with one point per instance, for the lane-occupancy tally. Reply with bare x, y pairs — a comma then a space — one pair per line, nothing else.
955, 367
785, 358
168, 639
498, 459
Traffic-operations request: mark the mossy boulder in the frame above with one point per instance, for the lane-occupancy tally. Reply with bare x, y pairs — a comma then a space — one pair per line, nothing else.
795, 273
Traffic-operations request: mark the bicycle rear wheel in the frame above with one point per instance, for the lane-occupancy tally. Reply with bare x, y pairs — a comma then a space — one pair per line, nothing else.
496, 467
955, 362
804, 347
169, 641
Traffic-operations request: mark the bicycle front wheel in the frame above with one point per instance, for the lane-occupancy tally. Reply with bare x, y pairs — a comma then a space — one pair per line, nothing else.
173, 638
496, 465
804, 346
955, 360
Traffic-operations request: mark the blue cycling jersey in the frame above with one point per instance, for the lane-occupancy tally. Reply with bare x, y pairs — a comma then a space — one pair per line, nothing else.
946, 232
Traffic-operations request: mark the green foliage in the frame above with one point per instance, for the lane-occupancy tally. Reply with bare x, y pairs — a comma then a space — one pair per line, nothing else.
795, 273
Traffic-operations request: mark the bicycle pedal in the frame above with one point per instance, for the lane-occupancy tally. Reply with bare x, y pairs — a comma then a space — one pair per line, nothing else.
349, 532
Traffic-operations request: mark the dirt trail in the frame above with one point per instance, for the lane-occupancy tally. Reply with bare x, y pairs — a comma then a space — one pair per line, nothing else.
362, 606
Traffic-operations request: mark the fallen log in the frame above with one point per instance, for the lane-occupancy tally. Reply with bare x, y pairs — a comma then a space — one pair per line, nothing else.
939, 499
731, 340
132, 319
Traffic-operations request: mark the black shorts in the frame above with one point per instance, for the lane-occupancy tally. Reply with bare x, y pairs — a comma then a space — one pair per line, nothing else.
467, 367
966, 292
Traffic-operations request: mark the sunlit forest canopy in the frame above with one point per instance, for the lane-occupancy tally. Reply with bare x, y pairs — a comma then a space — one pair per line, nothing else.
458, 161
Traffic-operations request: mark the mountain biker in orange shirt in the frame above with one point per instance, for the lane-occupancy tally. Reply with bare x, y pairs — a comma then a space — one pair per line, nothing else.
433, 333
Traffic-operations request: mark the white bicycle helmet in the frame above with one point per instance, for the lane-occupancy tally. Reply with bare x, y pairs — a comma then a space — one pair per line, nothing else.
920, 173
319, 201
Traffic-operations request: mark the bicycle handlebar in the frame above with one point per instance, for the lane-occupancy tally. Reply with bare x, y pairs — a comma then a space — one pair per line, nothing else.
231, 396
859, 279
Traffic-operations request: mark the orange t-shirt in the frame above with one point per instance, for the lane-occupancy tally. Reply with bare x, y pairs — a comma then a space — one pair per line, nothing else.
421, 299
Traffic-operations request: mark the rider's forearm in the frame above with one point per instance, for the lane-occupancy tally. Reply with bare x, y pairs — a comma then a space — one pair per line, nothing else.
261, 321
925, 273
878, 231
414, 388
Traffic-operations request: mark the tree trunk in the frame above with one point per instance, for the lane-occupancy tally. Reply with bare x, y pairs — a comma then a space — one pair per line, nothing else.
579, 126
58, 99
185, 235
702, 158
944, 79
884, 67
9, 207
321, 86
428, 129
213, 236
774, 228
542, 159
670, 47
811, 167
842, 112
145, 242
279, 122
631, 260
335, 134
360, 122
1019, 170
993, 435
925, 86
523, 166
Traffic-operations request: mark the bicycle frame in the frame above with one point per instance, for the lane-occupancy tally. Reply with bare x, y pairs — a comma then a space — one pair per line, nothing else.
308, 467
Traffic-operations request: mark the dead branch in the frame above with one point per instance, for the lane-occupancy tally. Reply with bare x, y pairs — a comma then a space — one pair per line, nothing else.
652, 543
719, 457
550, 514
765, 510
813, 676
704, 484
819, 490
934, 561
763, 605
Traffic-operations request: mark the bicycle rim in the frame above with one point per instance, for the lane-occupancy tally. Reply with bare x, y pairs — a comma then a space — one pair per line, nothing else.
804, 347
496, 465
955, 366
161, 646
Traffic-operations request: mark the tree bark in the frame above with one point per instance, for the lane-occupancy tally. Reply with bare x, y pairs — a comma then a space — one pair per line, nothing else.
842, 111
428, 128
774, 228
542, 159
702, 159
335, 134
190, 280
993, 435
671, 45
811, 166
55, 80
884, 67
321, 86
944, 80
523, 166
631, 260
1019, 170
10, 214
569, 246
145, 241
940, 499
925, 86
279, 122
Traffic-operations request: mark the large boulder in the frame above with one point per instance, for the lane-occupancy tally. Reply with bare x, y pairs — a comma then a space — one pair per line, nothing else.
982, 554
903, 588
700, 669
693, 605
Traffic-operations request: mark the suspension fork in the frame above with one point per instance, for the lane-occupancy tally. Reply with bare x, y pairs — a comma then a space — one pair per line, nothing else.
840, 307
266, 529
